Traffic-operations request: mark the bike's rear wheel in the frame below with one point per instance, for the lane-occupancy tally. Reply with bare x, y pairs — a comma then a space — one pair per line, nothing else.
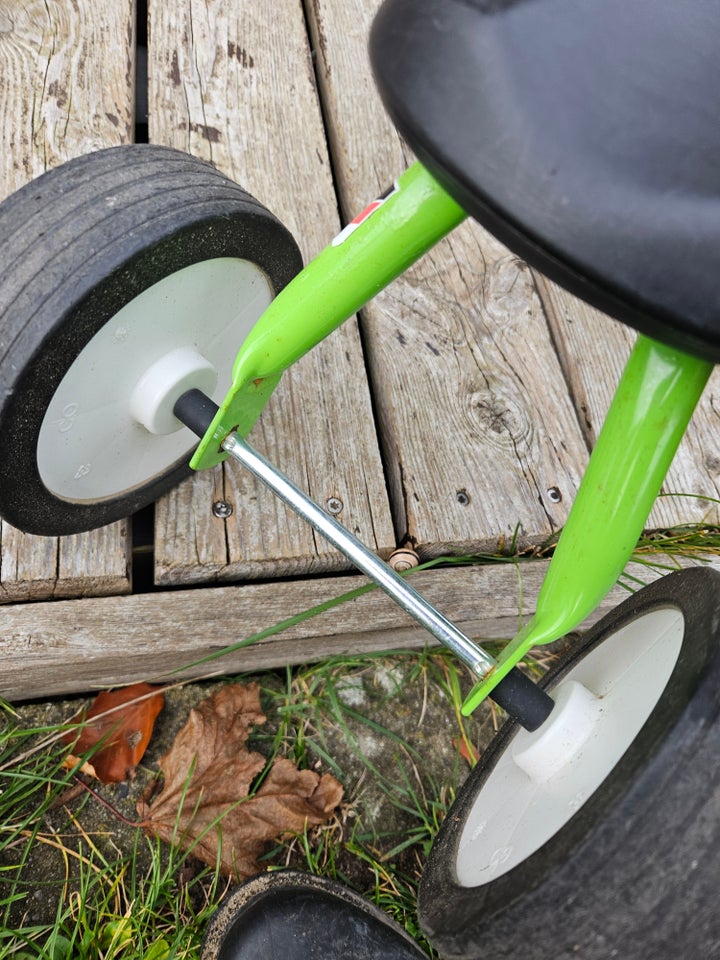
616, 860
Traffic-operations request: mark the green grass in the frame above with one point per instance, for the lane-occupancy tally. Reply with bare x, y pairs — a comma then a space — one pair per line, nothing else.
115, 893
77, 882
395, 801
106, 906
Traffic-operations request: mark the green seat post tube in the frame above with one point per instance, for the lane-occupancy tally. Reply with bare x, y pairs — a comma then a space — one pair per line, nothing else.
653, 403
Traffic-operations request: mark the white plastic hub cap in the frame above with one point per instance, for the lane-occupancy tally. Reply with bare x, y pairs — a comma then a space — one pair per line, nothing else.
543, 778
109, 428
157, 391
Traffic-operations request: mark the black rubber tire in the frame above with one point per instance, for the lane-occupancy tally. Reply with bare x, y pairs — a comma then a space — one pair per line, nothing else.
634, 874
288, 915
77, 245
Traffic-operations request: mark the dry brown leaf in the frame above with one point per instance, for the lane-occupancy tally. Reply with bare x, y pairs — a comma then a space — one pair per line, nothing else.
466, 750
126, 731
71, 763
208, 809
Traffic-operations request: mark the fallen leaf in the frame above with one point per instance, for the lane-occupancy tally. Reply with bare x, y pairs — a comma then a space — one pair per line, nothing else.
466, 750
204, 803
71, 763
125, 732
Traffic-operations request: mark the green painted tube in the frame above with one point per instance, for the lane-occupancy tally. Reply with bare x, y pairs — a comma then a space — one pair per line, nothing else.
379, 245
653, 403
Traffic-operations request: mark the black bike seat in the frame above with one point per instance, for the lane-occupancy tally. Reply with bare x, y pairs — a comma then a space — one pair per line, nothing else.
585, 134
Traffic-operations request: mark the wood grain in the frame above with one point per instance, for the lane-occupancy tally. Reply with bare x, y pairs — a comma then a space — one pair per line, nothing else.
589, 342
478, 434
77, 645
235, 85
66, 88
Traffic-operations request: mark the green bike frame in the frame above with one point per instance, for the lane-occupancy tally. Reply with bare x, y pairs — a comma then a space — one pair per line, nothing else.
650, 411
379, 245
656, 397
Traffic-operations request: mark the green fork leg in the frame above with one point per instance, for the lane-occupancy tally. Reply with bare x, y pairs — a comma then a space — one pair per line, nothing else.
654, 401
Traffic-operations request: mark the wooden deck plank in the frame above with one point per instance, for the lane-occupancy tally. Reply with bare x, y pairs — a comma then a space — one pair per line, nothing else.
588, 342
66, 87
479, 441
76, 645
235, 86
476, 423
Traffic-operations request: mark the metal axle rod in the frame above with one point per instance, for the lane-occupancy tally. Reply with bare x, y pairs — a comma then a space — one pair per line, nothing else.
381, 573
519, 695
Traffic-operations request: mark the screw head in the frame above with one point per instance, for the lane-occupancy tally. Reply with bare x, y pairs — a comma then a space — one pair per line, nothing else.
404, 558
462, 497
334, 505
222, 509
554, 495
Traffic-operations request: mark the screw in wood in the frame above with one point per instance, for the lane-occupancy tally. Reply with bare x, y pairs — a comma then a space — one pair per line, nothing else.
222, 509
404, 558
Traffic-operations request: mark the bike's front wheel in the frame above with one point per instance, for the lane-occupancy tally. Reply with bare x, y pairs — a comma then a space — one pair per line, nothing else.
130, 276
598, 834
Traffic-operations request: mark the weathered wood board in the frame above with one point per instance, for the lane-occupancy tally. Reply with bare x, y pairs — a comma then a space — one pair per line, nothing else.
66, 88
588, 342
77, 645
459, 415
235, 85
480, 441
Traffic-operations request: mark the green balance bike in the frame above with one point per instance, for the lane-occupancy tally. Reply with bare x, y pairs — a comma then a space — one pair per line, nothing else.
586, 136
